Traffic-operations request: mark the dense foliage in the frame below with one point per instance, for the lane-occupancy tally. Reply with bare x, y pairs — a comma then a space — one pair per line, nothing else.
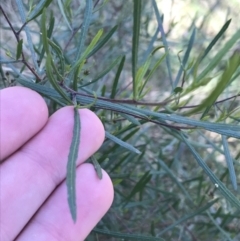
167, 93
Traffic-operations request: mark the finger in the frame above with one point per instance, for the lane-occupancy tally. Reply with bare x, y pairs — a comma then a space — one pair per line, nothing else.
23, 114
53, 221
29, 176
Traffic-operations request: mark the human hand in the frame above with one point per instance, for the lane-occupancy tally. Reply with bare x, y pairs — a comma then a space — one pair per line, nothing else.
33, 153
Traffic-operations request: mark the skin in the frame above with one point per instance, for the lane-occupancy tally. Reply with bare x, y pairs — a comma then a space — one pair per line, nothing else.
33, 153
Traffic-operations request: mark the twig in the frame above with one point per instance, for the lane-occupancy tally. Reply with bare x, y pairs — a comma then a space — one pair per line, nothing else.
16, 34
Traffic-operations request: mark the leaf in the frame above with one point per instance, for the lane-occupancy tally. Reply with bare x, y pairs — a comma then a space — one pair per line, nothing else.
213, 63
116, 79
125, 236
71, 165
44, 31
121, 143
137, 6
85, 26
104, 72
38, 9
61, 7
215, 39
185, 58
21, 11
218, 184
96, 166
188, 216
19, 49
140, 185
164, 40
225, 79
49, 64
103, 41
229, 161
88, 49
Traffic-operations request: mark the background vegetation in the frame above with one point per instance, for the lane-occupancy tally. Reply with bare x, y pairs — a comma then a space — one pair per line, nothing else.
163, 76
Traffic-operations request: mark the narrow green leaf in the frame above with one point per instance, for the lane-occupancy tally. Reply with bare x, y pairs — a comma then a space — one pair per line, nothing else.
88, 49
124, 236
44, 31
50, 25
104, 72
188, 216
141, 72
85, 26
229, 161
60, 56
116, 79
218, 184
38, 9
164, 39
121, 143
19, 49
156, 65
21, 10
175, 179
213, 63
140, 185
215, 39
225, 79
61, 7
49, 72
137, 6
131, 119
71, 165
185, 58
96, 166
103, 41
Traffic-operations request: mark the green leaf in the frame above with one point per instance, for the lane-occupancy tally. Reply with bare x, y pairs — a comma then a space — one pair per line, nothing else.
104, 72
141, 72
96, 166
185, 58
215, 39
121, 143
85, 26
19, 49
103, 41
88, 49
49, 72
213, 62
125, 236
61, 7
229, 161
60, 56
137, 6
71, 165
188, 216
140, 185
230, 69
178, 90
218, 184
44, 31
116, 79
38, 9
164, 40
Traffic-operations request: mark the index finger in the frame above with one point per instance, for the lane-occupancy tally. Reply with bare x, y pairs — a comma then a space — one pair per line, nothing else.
23, 113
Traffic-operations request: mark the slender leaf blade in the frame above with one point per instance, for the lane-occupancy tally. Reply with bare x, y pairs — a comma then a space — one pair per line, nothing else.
19, 49
229, 161
71, 165
137, 6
